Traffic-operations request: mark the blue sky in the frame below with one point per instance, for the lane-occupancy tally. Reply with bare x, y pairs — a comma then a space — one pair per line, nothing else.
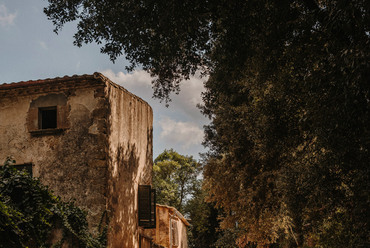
30, 50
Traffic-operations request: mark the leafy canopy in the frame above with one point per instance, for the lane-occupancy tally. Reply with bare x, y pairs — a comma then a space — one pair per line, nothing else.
288, 96
175, 178
289, 138
167, 38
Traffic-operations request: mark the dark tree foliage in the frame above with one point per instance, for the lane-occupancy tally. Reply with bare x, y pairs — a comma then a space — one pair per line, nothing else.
204, 219
176, 179
29, 213
288, 96
289, 139
167, 38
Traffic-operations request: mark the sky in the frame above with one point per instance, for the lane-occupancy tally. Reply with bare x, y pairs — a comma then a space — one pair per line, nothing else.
30, 50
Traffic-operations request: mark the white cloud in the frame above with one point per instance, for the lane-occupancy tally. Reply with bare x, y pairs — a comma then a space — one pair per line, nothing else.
180, 125
43, 45
136, 79
5, 17
139, 83
180, 133
190, 96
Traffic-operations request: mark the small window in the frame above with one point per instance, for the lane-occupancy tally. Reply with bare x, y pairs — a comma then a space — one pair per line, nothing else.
48, 118
48, 115
146, 203
26, 167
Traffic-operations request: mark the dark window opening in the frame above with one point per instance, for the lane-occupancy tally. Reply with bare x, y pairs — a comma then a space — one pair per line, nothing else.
26, 167
147, 204
48, 118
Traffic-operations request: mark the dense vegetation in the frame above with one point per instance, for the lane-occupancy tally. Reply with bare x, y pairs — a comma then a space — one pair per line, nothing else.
29, 213
177, 180
288, 97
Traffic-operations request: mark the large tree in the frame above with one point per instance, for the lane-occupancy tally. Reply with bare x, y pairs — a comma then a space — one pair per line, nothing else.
289, 136
288, 96
204, 219
175, 178
178, 183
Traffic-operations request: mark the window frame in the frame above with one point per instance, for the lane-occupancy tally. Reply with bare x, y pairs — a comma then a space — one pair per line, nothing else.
146, 207
28, 167
41, 118
34, 121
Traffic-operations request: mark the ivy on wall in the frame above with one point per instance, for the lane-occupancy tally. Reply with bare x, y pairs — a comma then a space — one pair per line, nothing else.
31, 216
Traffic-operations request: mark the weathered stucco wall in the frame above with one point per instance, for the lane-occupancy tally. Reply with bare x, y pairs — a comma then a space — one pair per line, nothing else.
130, 163
71, 162
162, 235
99, 153
183, 235
162, 231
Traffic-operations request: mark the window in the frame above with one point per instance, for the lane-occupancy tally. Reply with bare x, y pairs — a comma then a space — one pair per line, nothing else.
146, 203
174, 233
27, 167
48, 115
47, 118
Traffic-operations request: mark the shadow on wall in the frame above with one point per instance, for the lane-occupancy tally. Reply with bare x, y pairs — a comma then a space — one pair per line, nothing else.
149, 152
75, 165
123, 221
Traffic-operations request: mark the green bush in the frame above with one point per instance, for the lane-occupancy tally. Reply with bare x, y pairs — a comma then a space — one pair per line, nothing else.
29, 213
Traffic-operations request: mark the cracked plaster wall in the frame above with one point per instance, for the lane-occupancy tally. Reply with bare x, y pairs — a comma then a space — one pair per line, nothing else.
130, 163
72, 163
99, 160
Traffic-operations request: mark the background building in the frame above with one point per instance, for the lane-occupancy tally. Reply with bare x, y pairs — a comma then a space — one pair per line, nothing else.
171, 228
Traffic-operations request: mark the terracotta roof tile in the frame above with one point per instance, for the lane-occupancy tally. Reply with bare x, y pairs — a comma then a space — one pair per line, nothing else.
96, 76
48, 80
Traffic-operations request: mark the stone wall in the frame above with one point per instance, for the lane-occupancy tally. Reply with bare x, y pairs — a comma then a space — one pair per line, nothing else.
163, 233
130, 163
98, 153
71, 160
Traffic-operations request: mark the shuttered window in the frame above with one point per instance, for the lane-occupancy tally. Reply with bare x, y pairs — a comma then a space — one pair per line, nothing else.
47, 119
174, 233
48, 114
146, 203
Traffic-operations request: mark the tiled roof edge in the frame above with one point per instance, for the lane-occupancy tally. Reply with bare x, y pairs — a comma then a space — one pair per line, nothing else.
95, 76
22, 84
183, 219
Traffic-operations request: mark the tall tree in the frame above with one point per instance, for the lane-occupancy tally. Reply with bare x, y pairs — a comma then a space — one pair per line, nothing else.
288, 96
204, 219
289, 136
175, 178
177, 181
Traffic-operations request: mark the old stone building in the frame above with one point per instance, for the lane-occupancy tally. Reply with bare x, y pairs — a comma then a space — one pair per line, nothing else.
88, 139
171, 228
